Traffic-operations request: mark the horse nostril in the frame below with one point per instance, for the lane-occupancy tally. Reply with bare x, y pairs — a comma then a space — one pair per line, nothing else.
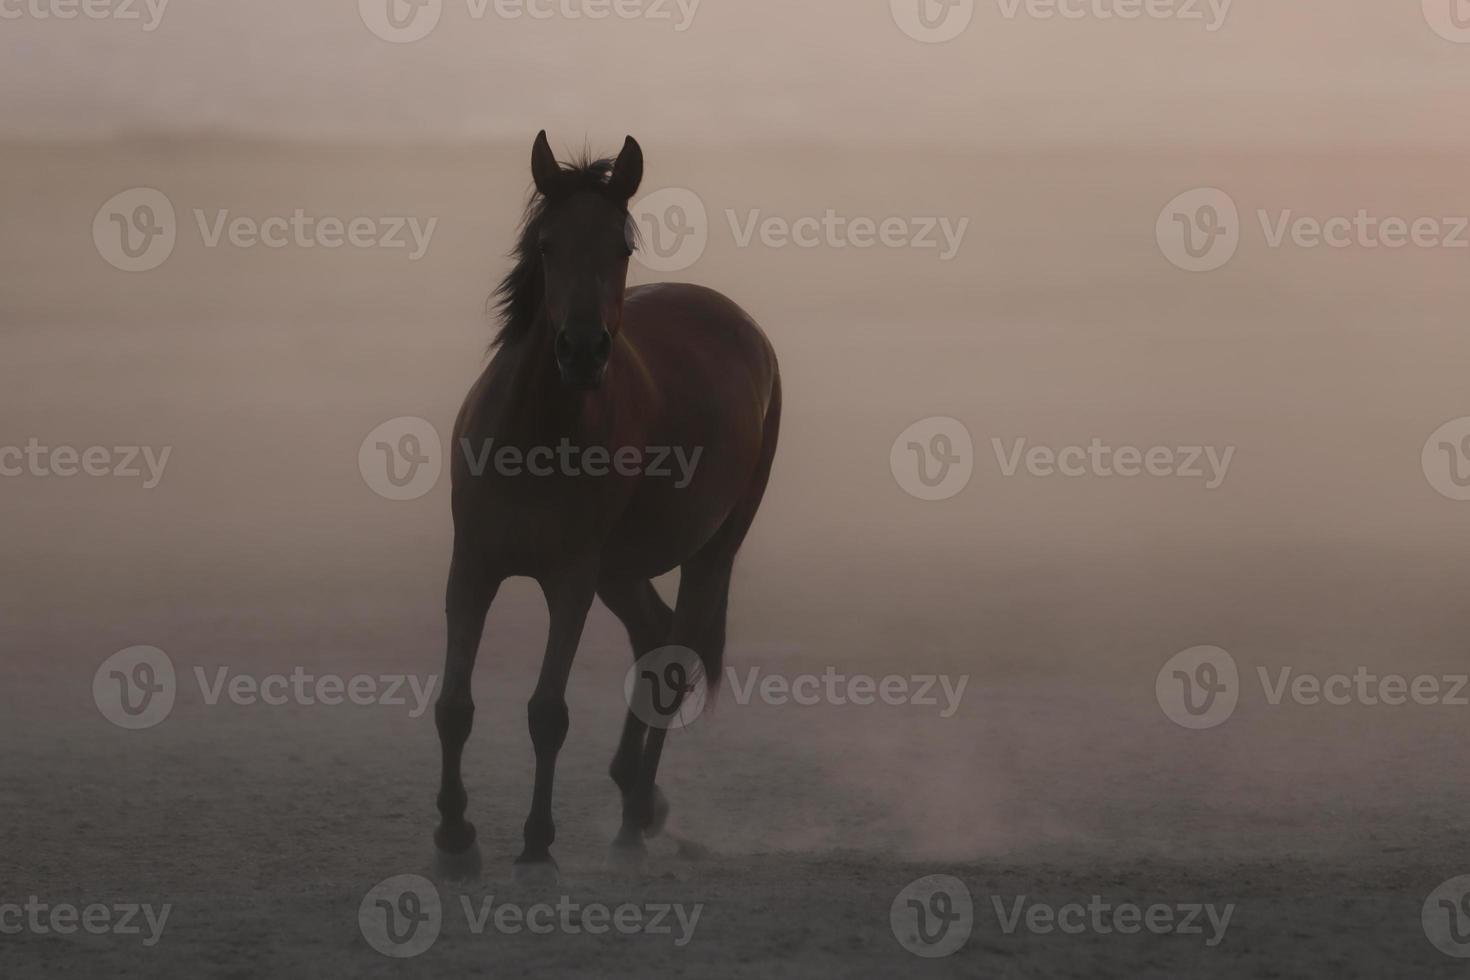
565, 351
603, 347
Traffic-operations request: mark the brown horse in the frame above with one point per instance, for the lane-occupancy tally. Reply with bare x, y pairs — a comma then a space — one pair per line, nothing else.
588, 378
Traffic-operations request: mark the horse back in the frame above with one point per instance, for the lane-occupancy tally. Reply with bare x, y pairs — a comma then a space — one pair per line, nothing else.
690, 381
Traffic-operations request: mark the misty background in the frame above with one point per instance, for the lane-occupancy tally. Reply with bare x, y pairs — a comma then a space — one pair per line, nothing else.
1357, 72
1059, 320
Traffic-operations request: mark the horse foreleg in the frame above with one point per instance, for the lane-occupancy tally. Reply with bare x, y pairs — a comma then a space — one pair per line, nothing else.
467, 601
568, 597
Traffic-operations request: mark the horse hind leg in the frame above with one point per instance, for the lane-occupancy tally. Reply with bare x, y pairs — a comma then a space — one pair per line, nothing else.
649, 621
701, 611
704, 580
699, 625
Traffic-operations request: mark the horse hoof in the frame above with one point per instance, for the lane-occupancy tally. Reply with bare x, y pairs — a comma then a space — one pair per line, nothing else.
536, 873
660, 814
455, 838
464, 866
626, 859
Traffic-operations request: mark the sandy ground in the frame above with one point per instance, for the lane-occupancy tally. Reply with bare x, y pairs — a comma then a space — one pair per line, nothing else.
1057, 778
263, 828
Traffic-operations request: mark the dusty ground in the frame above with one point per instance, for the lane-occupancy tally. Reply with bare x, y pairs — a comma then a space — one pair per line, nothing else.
264, 827
1058, 778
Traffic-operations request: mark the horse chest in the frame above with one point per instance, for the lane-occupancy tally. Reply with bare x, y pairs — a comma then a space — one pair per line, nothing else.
536, 523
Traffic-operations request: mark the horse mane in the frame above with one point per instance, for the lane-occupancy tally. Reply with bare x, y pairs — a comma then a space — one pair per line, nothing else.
517, 299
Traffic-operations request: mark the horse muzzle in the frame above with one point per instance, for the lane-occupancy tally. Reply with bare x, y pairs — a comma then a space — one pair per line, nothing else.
582, 355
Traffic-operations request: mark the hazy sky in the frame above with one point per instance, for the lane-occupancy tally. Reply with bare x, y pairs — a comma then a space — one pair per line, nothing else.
1362, 71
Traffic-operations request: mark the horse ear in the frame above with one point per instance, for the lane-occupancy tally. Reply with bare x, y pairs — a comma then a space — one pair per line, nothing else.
544, 168
627, 172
